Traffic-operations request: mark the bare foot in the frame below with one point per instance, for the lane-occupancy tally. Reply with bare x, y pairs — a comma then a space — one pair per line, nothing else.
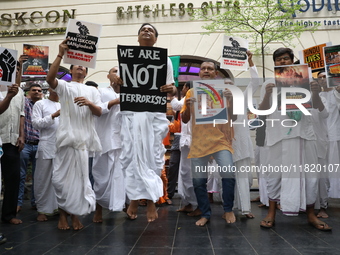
132, 210
18, 208
186, 209
322, 214
98, 215
41, 217
278, 206
255, 199
250, 216
320, 225
196, 212
63, 224
76, 224
15, 221
201, 222
262, 205
229, 217
151, 211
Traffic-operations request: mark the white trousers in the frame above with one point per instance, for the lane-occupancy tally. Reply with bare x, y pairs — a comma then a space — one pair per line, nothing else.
45, 196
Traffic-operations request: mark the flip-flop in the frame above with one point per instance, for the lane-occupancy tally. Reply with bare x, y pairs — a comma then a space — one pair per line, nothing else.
266, 223
325, 226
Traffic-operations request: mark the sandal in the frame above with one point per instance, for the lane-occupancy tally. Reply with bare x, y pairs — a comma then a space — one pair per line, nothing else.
322, 226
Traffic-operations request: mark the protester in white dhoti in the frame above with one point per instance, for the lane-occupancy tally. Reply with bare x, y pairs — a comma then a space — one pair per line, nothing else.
107, 170
243, 147
185, 185
330, 187
45, 118
292, 144
322, 141
76, 137
142, 134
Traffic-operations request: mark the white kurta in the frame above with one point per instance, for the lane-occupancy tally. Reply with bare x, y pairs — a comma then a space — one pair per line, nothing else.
107, 170
142, 155
76, 136
44, 191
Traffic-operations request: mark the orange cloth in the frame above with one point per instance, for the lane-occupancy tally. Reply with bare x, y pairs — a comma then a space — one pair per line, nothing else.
207, 139
174, 127
165, 197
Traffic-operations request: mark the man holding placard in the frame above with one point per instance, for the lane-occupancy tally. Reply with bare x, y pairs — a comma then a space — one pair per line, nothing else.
144, 71
76, 137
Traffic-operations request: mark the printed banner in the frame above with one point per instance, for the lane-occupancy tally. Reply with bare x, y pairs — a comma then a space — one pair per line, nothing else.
83, 43
234, 53
211, 104
332, 63
294, 76
8, 67
314, 56
143, 71
37, 62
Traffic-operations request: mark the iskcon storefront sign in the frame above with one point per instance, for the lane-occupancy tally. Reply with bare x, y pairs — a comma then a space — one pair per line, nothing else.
8, 20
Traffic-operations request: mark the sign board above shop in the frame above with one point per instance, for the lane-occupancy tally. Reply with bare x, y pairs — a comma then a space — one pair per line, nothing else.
181, 9
323, 13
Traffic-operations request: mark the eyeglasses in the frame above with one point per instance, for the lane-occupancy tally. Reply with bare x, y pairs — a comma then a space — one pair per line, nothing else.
282, 58
36, 90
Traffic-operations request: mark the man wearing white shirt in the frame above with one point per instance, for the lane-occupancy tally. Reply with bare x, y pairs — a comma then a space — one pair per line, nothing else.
76, 137
12, 120
143, 150
291, 145
45, 118
4, 104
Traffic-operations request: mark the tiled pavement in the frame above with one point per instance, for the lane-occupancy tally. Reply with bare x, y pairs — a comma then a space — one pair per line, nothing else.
173, 233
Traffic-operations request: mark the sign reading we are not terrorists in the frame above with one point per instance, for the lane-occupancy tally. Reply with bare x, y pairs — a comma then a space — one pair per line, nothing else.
143, 71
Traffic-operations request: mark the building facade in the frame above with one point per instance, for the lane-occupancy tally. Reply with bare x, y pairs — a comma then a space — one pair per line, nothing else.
44, 22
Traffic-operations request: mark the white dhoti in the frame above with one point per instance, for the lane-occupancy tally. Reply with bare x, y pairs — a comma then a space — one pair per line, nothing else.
243, 183
261, 158
334, 169
44, 192
109, 180
185, 185
293, 186
71, 181
142, 154
323, 184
